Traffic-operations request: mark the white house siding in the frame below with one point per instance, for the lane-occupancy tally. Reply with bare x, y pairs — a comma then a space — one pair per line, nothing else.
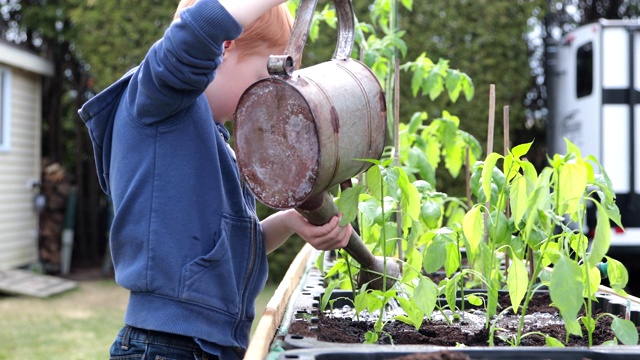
19, 168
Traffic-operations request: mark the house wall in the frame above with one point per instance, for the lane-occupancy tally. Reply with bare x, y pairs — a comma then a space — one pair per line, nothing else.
19, 169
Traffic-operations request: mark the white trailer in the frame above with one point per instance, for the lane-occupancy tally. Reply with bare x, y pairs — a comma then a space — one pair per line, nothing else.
594, 88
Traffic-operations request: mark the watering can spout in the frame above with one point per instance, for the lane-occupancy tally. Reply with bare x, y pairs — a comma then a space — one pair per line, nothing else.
379, 273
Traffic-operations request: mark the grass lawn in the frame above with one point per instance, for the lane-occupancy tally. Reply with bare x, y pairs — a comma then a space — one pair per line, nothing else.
78, 324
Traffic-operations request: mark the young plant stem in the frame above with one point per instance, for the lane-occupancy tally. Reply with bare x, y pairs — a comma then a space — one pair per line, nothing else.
588, 305
490, 127
493, 327
350, 275
393, 86
529, 294
505, 152
468, 176
384, 242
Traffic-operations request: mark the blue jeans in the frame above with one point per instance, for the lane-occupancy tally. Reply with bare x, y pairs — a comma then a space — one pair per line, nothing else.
133, 344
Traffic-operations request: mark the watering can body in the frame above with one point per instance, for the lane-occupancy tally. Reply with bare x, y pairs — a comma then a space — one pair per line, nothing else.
300, 132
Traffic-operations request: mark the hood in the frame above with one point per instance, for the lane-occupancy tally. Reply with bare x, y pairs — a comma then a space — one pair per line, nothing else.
98, 115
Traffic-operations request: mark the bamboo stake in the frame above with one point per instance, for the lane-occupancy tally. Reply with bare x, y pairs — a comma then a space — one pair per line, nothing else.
490, 129
492, 117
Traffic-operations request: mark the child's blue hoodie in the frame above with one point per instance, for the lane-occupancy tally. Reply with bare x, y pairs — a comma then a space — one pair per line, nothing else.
185, 238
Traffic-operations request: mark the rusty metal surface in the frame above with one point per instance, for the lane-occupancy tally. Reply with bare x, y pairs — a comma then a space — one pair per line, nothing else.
300, 30
276, 143
298, 136
299, 133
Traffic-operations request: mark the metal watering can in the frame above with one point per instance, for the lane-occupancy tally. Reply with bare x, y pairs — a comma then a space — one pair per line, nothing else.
300, 132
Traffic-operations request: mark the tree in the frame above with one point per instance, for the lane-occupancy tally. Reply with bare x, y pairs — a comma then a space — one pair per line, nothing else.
92, 43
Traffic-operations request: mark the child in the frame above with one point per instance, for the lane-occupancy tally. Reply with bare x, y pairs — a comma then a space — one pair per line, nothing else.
185, 238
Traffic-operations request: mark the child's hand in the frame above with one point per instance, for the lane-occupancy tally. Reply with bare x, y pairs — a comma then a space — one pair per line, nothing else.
279, 226
324, 237
246, 11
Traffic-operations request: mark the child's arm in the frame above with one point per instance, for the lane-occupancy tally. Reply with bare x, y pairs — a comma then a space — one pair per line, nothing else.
280, 226
180, 66
246, 11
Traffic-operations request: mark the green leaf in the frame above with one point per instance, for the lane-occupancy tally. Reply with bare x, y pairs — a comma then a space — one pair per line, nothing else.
454, 159
327, 294
521, 150
426, 295
487, 173
492, 292
450, 292
566, 278
475, 300
434, 256
589, 323
572, 182
517, 281
416, 80
371, 210
415, 315
361, 301
519, 195
419, 161
452, 262
625, 331
467, 87
473, 227
391, 179
410, 200
604, 183
453, 84
371, 337
602, 238
374, 181
553, 342
529, 171
348, 204
571, 148
433, 85
416, 121
617, 274
592, 282
413, 265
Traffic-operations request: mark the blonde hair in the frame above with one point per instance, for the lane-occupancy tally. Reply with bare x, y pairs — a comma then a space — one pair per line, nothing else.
267, 34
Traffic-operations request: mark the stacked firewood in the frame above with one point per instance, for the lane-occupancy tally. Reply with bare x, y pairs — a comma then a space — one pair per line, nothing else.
55, 189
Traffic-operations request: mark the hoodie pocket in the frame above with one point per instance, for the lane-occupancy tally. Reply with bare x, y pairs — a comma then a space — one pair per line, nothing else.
215, 279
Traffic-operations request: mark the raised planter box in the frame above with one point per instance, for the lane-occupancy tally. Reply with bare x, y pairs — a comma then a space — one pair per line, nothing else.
297, 299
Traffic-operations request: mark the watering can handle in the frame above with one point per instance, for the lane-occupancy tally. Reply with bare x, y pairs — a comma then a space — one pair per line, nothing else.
319, 210
285, 64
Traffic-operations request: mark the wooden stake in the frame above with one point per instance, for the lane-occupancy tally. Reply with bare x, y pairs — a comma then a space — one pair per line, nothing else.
492, 118
505, 119
490, 128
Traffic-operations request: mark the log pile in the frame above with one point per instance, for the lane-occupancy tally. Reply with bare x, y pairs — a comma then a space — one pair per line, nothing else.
55, 187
